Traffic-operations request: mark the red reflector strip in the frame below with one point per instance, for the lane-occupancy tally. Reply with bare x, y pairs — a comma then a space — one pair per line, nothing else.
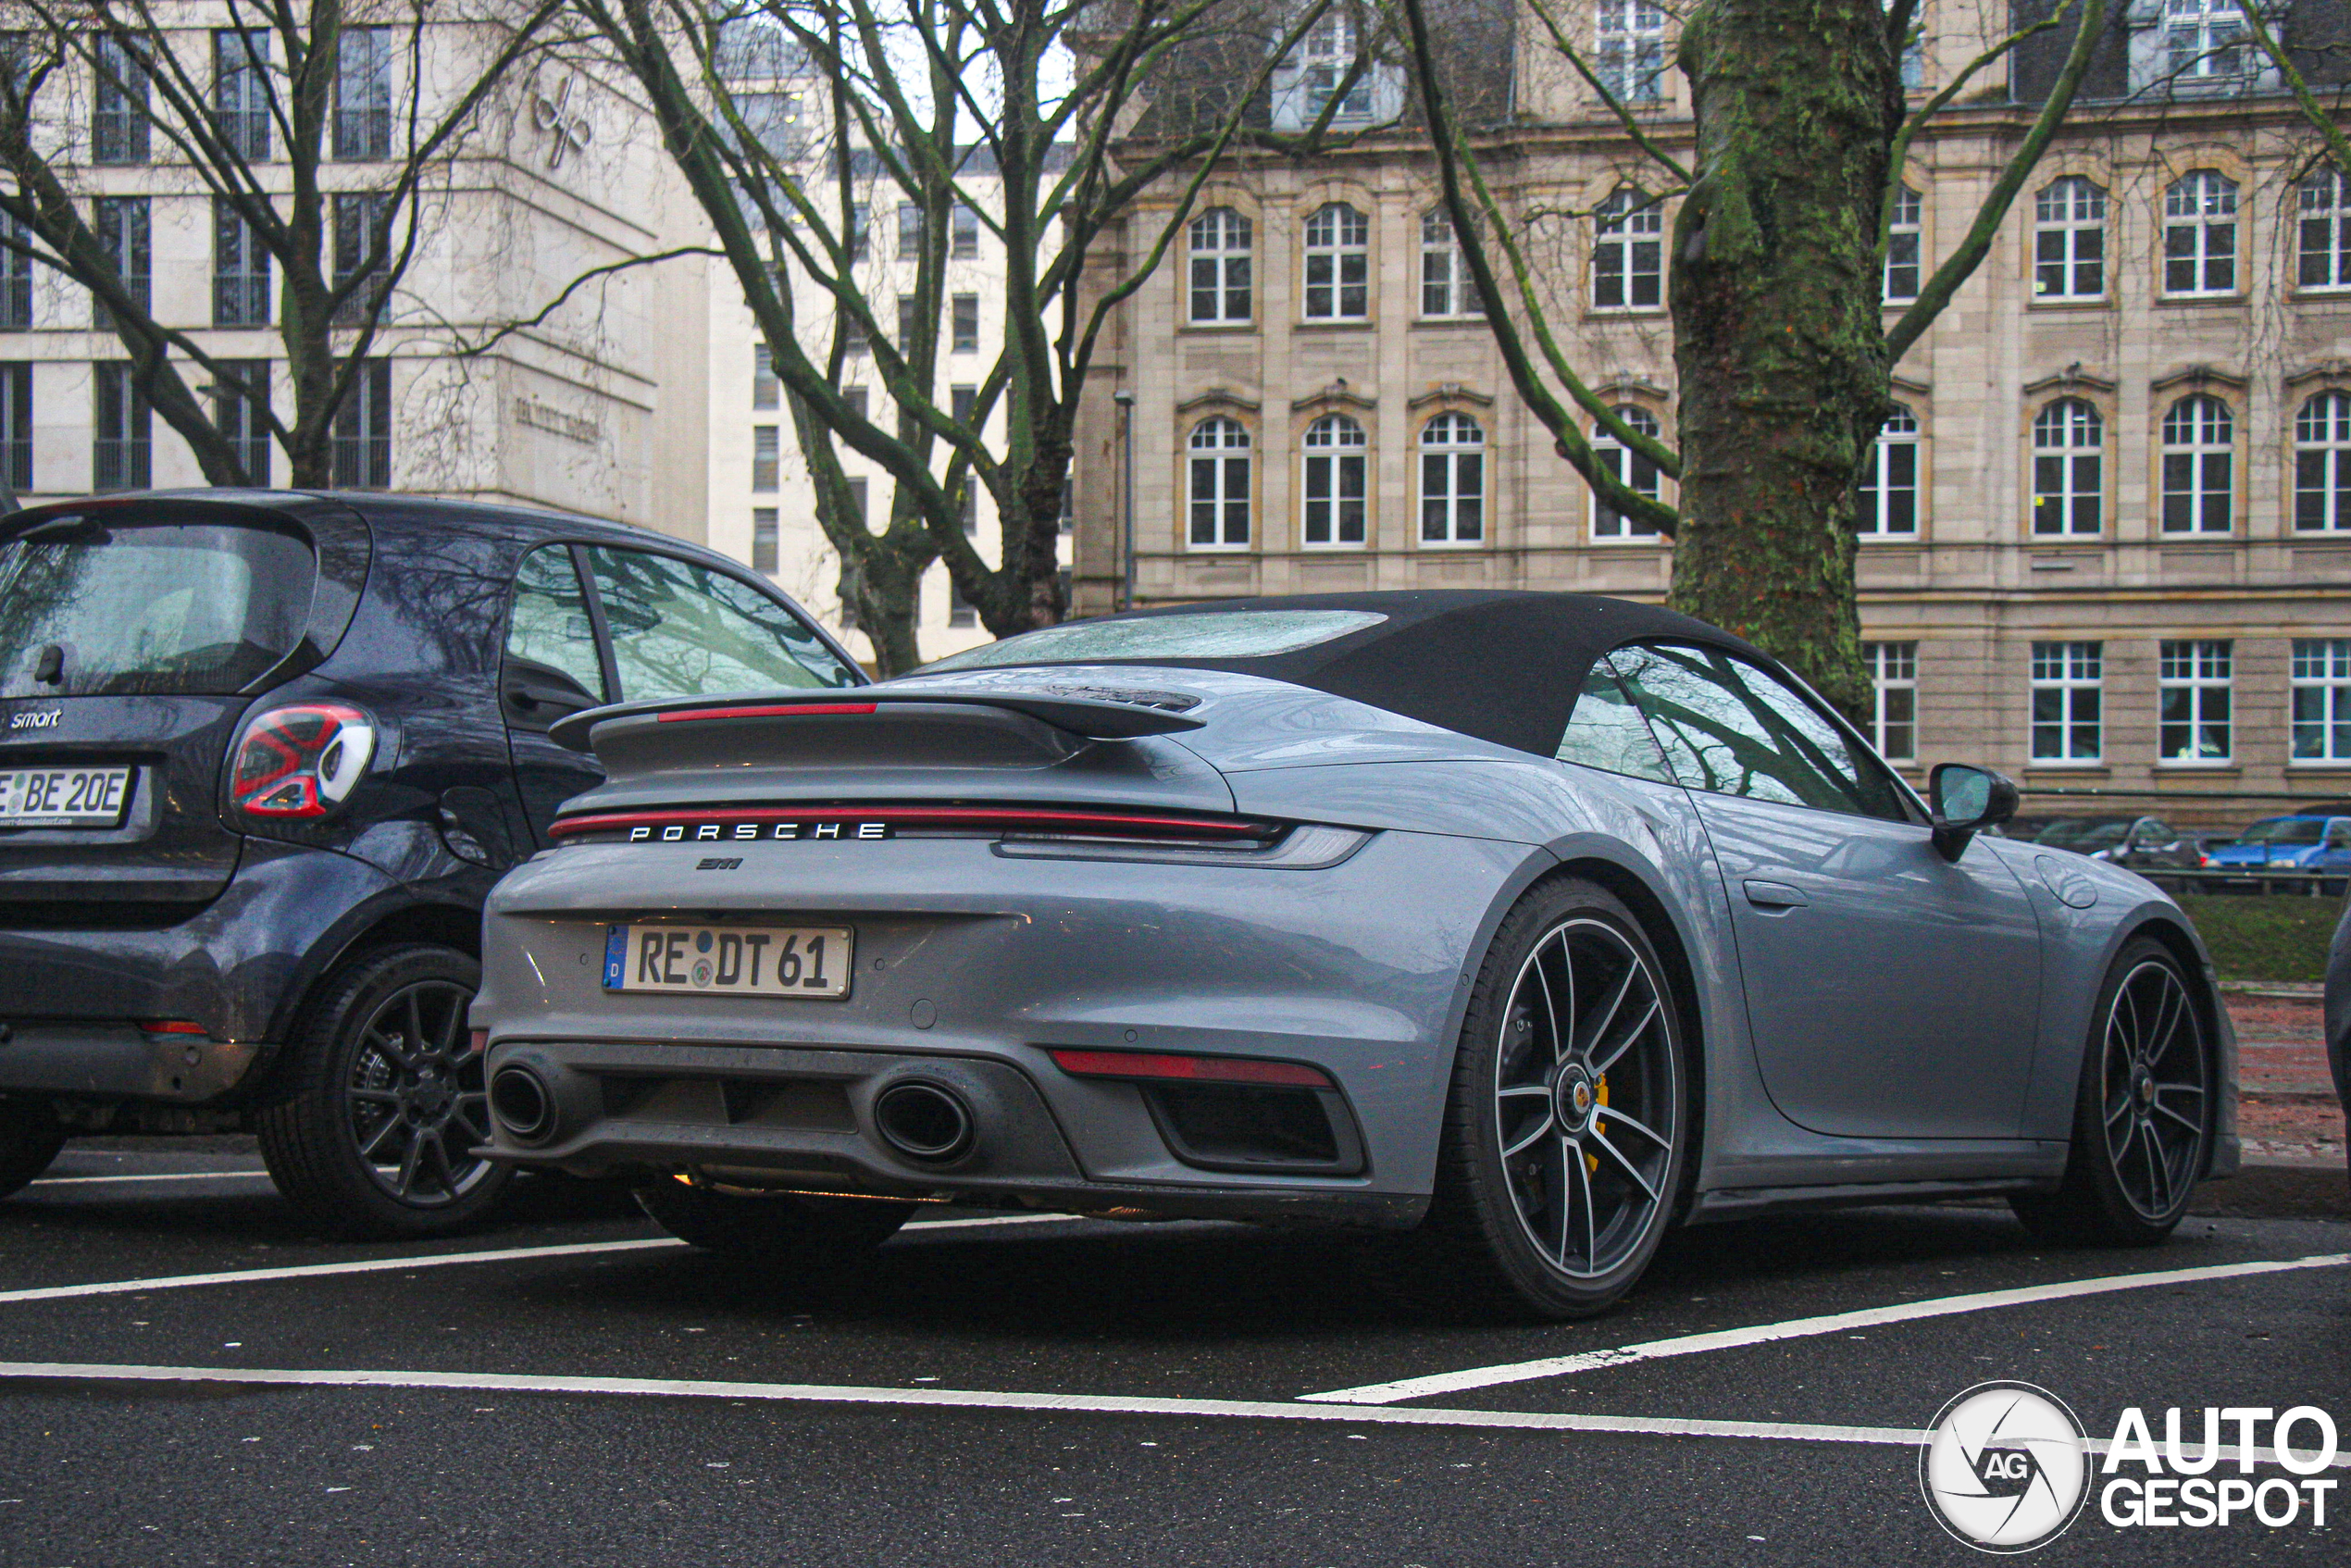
796, 710
1193, 1069
170, 1026
1028, 819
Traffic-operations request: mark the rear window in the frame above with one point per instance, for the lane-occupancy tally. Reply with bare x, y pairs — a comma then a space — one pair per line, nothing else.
1235, 634
2284, 831
88, 610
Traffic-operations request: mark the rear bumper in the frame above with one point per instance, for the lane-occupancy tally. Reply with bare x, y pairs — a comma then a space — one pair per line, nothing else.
71, 997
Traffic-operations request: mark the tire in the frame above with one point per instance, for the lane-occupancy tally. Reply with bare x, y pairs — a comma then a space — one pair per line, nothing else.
776, 1230
30, 1140
1558, 1174
387, 1102
2142, 1116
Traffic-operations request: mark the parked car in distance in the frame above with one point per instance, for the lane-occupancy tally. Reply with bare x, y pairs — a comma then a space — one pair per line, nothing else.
262, 756
2136, 841
2289, 843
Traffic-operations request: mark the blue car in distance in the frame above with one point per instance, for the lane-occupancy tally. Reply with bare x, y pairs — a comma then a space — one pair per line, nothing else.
2290, 843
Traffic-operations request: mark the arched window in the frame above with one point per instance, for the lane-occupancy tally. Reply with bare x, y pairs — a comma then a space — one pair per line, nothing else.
1220, 266
2068, 240
1628, 250
1903, 236
1336, 473
2326, 230
2200, 469
1219, 485
2068, 469
1889, 504
1338, 265
1452, 481
1446, 289
2322, 464
2200, 235
1637, 472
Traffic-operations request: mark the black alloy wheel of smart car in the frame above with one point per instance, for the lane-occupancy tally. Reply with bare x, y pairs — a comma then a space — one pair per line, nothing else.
1564, 1141
389, 1104
2142, 1121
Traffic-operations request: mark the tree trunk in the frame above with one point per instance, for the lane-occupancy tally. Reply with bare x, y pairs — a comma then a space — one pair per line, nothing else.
1779, 342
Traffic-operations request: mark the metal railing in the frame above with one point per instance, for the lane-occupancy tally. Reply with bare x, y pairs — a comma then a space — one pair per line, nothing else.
2247, 879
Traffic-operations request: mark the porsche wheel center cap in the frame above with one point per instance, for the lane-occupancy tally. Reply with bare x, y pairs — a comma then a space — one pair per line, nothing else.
1572, 1099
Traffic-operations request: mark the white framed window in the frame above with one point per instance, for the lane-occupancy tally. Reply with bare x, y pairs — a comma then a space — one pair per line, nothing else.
2205, 41
1904, 236
1221, 276
1452, 481
2193, 691
1338, 265
2069, 240
1446, 289
1330, 50
1629, 58
1889, 503
2068, 469
1629, 253
2199, 465
1335, 493
2321, 688
1219, 487
1894, 704
2200, 235
2322, 464
2068, 709
2325, 232
1637, 472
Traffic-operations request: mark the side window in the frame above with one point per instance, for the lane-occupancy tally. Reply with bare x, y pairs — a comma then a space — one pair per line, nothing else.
683, 631
1607, 732
1729, 728
550, 626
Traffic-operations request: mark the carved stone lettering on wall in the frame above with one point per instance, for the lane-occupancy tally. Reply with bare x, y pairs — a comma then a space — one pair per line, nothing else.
555, 422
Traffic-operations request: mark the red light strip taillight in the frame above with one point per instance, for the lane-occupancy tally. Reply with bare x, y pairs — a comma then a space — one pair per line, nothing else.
1190, 1069
1026, 819
170, 1026
794, 710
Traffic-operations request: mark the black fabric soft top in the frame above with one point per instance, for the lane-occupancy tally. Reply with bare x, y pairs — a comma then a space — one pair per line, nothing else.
1504, 666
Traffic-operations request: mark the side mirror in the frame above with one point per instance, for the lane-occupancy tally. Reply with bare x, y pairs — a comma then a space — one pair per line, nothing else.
1964, 801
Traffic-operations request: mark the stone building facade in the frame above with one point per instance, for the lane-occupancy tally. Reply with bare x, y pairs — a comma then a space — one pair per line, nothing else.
2107, 545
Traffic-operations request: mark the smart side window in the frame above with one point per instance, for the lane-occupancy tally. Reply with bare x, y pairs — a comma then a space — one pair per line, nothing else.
550, 626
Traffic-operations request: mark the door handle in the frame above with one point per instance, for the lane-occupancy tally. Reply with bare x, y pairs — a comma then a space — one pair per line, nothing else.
1774, 895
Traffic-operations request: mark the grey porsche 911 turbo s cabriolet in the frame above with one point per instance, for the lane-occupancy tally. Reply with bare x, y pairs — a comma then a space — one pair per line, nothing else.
1532, 924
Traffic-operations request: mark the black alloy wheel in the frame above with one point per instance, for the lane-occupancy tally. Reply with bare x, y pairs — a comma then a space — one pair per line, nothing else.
2144, 1115
388, 1102
1566, 1133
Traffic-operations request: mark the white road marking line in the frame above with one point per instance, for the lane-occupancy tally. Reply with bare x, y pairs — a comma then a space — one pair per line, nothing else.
432, 1260
1100, 1404
972, 1398
1764, 1334
922, 1227
161, 1176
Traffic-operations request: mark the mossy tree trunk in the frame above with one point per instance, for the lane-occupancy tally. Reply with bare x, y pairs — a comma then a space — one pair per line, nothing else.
1779, 340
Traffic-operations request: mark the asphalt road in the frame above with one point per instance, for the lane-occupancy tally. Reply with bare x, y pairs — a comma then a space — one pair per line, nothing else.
444, 1412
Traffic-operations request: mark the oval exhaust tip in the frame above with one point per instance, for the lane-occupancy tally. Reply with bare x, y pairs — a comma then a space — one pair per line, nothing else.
522, 1102
923, 1120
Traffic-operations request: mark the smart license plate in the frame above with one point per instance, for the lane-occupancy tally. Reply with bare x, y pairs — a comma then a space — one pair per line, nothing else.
64, 797
791, 961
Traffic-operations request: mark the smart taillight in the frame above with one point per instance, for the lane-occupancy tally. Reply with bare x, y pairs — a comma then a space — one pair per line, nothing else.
298, 763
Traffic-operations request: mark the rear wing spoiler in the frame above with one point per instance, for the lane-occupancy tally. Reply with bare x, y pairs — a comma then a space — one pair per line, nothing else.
1095, 714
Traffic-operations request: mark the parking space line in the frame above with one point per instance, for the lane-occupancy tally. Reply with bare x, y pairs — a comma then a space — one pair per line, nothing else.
161, 1176
958, 1399
430, 1260
1834, 1322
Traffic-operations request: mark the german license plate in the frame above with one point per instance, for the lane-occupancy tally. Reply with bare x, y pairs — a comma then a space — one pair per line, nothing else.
798, 961
64, 797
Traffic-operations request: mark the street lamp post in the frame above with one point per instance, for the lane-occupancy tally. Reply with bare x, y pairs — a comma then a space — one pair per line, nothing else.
1125, 400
